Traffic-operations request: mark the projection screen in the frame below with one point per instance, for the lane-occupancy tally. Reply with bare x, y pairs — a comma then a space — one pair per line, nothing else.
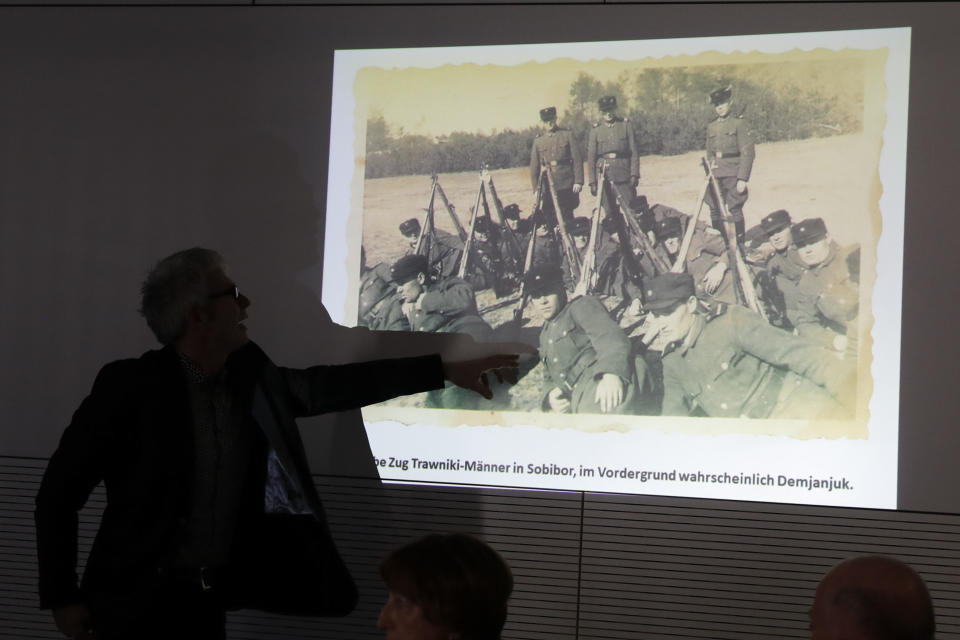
413, 130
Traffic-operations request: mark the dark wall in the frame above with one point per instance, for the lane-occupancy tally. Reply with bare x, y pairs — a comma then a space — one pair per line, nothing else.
128, 133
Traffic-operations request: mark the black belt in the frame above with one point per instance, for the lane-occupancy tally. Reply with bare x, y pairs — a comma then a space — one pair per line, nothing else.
616, 154
735, 154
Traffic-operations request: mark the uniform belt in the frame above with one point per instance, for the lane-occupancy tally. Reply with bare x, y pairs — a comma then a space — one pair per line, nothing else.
554, 163
615, 154
732, 154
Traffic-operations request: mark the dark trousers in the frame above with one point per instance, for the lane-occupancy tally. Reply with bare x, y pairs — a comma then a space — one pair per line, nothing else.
162, 610
734, 202
569, 201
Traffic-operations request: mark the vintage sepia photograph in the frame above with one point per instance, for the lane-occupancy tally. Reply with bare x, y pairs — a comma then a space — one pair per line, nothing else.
685, 235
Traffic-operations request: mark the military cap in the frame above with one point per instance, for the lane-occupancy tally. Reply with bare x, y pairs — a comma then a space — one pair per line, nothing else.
609, 224
667, 289
755, 236
410, 227
542, 219
408, 267
580, 226
607, 103
548, 114
511, 212
640, 205
808, 231
543, 280
776, 221
669, 227
484, 225
645, 217
721, 95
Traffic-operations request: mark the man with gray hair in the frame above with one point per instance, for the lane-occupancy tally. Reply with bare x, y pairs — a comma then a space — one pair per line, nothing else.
210, 499
872, 598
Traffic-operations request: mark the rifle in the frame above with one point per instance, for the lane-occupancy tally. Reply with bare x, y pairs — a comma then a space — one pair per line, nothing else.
573, 258
680, 263
450, 210
588, 273
512, 241
528, 256
427, 219
468, 244
642, 238
744, 279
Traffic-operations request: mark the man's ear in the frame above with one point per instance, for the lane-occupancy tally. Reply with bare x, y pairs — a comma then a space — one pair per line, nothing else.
692, 304
421, 278
197, 315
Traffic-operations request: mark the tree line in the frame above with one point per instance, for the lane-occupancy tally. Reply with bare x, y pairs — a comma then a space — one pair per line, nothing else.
669, 107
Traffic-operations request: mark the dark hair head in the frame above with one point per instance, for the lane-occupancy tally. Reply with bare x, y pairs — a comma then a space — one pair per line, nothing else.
459, 582
883, 598
174, 286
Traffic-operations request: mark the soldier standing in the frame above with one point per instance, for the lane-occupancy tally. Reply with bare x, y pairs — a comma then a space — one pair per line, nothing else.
730, 152
612, 146
732, 363
556, 149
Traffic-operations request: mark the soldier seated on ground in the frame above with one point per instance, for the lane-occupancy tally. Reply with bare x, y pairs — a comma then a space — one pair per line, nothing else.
546, 247
827, 298
511, 215
732, 363
589, 367
445, 306
580, 233
758, 253
377, 292
442, 248
872, 598
706, 259
445, 587
486, 267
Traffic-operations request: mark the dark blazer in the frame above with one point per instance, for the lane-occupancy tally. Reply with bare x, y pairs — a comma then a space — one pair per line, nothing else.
134, 433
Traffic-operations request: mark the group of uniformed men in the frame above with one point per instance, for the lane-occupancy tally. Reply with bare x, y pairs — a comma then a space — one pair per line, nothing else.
694, 347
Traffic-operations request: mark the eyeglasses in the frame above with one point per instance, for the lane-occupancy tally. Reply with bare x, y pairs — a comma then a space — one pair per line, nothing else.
233, 291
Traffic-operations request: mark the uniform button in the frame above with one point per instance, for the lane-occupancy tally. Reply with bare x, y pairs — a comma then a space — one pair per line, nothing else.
563, 375
550, 341
565, 332
723, 405
554, 359
708, 387
724, 366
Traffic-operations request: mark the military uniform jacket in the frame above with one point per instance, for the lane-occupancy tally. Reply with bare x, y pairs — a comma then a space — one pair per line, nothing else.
706, 249
375, 289
729, 368
615, 145
558, 150
825, 287
579, 344
730, 148
786, 264
450, 307
444, 254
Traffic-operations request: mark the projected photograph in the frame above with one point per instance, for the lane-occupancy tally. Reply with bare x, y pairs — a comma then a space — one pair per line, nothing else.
687, 230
